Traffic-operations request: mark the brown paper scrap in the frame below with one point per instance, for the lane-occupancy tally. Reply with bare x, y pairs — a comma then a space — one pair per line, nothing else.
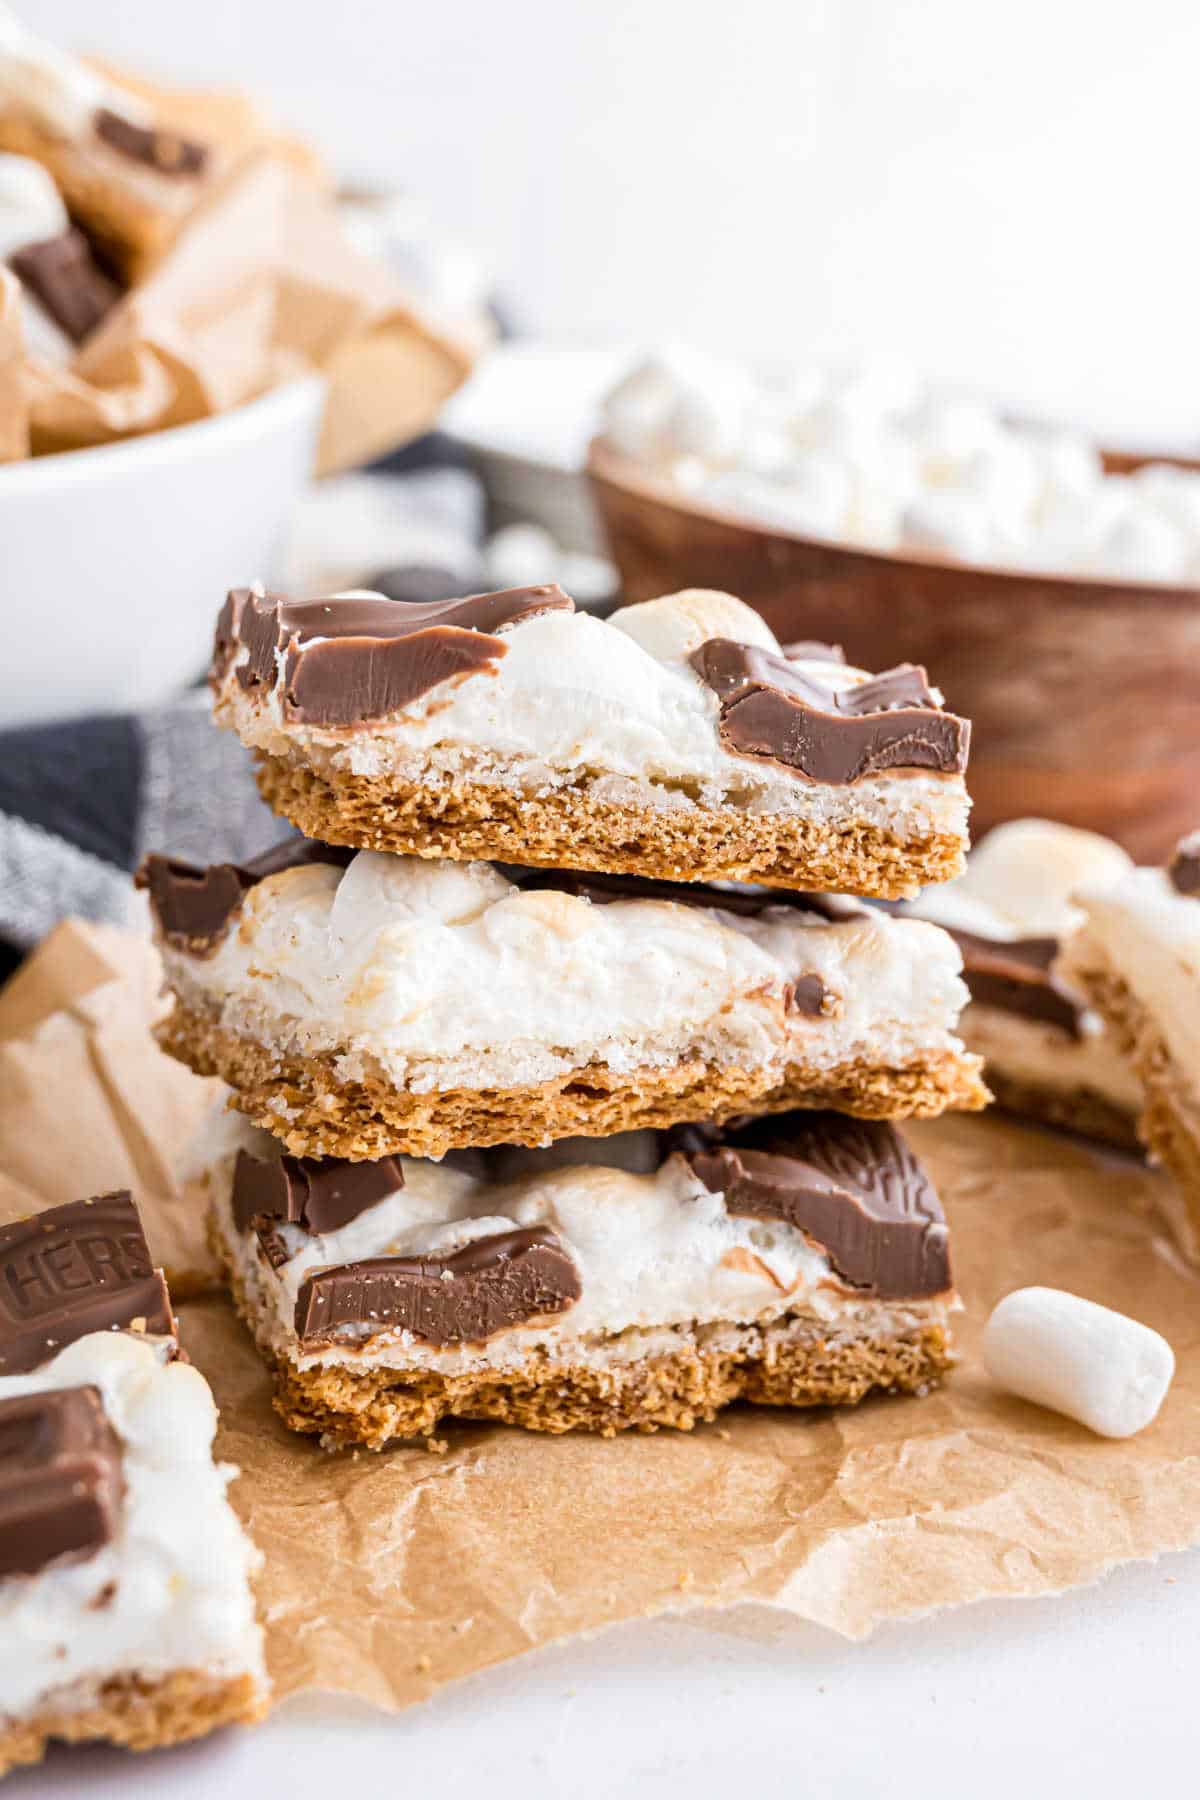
389, 1575
259, 286
88, 1102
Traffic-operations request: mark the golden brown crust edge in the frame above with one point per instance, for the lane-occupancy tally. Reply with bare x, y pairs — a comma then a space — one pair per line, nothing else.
569, 830
133, 230
800, 1363
136, 1712
303, 1101
1159, 1126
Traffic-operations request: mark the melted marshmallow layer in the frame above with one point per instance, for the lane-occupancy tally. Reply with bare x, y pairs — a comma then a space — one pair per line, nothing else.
446, 974
172, 1589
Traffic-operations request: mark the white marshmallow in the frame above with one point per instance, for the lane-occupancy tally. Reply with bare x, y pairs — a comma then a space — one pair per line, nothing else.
947, 432
1097, 1366
949, 523
671, 628
522, 555
1143, 546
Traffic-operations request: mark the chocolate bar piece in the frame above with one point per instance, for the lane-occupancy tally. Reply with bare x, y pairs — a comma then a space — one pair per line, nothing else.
319, 1194
64, 277
60, 1479
163, 151
771, 708
486, 1287
349, 660
1183, 870
195, 906
851, 1185
1018, 976
72, 1270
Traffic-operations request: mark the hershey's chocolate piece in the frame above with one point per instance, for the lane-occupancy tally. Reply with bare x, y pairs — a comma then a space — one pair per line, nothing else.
320, 1194
1017, 977
1183, 870
851, 1185
66, 280
770, 709
349, 660
60, 1479
74, 1269
195, 906
162, 150
487, 1286
808, 995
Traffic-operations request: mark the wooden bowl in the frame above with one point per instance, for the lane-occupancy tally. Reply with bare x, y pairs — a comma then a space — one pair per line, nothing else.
1084, 695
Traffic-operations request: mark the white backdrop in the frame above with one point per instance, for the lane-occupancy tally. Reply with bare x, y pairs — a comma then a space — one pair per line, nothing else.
1002, 190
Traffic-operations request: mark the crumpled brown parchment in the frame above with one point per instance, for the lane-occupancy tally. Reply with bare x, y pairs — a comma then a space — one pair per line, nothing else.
389, 1575
260, 285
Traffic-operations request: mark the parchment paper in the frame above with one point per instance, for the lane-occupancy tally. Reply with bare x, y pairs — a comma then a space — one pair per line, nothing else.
14, 401
389, 1575
261, 284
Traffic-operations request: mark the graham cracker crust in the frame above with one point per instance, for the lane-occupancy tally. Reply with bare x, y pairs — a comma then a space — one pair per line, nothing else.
1081, 1110
313, 1112
136, 1712
795, 1361
1160, 1127
569, 830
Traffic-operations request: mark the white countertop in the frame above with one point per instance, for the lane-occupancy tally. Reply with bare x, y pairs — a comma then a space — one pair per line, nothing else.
1091, 1693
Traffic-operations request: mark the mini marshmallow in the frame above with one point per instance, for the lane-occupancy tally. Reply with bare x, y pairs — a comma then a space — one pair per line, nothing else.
948, 524
522, 555
1143, 546
672, 627
1097, 1366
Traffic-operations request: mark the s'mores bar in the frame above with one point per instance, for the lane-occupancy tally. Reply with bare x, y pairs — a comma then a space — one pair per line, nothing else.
646, 1280
675, 739
360, 1004
1137, 957
126, 177
1046, 1050
65, 294
125, 1604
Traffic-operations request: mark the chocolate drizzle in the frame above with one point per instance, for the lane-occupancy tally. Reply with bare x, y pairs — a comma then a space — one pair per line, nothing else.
318, 1194
163, 151
1183, 870
64, 277
352, 659
488, 1286
769, 708
60, 1479
851, 1185
1018, 977
195, 905
72, 1270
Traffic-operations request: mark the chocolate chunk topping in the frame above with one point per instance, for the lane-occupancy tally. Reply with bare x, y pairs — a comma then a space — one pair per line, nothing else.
64, 277
1183, 870
488, 1286
320, 1194
808, 995
770, 709
75, 1269
851, 1185
60, 1479
349, 660
161, 150
746, 902
1017, 977
195, 906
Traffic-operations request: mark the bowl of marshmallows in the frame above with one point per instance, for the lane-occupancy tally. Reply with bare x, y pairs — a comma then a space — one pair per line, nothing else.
1054, 586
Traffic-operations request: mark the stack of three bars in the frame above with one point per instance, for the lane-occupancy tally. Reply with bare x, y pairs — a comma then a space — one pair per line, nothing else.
551, 1143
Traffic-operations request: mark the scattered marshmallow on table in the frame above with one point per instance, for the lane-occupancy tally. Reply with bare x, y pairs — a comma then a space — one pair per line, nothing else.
1097, 1366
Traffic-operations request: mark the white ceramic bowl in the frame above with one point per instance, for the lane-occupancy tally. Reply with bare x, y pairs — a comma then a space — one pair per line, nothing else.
114, 561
